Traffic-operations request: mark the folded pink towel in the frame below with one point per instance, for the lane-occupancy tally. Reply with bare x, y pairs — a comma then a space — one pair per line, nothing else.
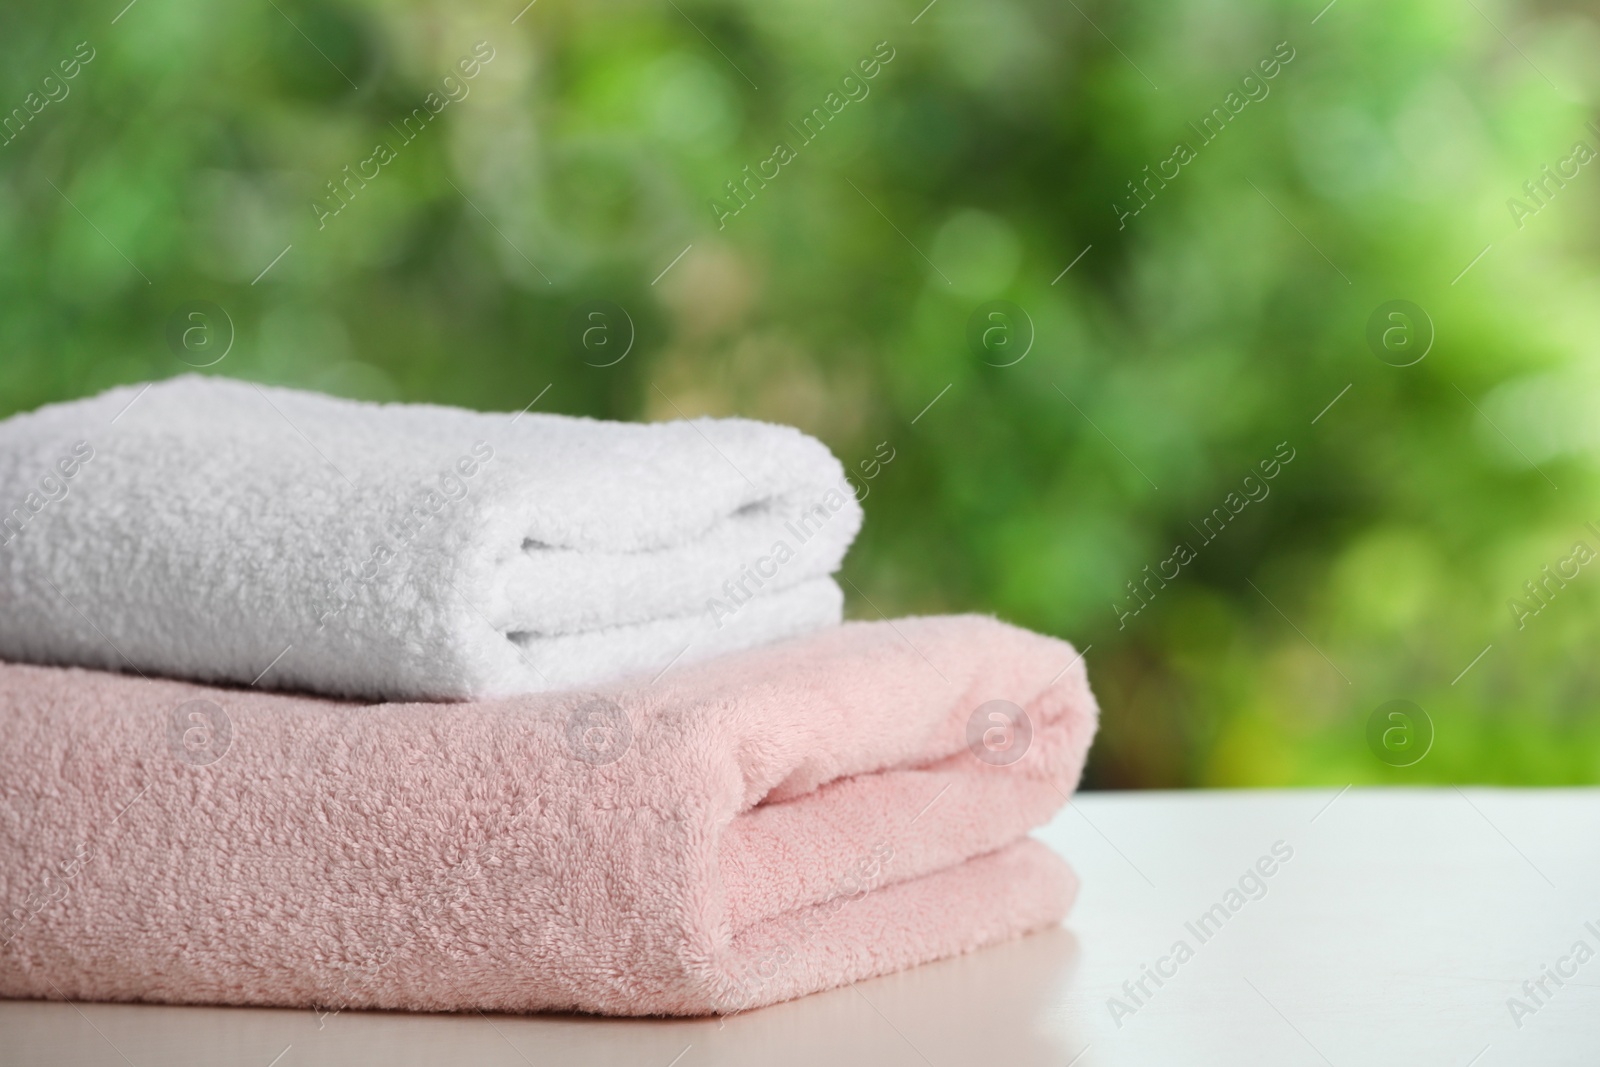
735, 833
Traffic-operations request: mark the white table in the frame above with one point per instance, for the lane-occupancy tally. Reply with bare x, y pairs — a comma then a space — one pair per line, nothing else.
1395, 934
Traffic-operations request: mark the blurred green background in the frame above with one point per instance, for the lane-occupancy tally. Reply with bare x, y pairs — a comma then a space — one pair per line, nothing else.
1185, 345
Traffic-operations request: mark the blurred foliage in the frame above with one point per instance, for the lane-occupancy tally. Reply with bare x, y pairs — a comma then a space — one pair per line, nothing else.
1183, 346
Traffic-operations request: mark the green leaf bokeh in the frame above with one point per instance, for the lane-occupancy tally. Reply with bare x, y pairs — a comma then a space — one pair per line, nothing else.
1188, 343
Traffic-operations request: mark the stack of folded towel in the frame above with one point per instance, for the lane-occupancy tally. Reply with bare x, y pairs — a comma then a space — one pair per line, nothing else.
587, 733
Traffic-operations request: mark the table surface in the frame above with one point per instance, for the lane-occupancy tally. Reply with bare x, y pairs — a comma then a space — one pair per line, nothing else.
1397, 931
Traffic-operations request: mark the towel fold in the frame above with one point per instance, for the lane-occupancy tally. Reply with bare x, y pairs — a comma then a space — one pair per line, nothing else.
743, 831
213, 529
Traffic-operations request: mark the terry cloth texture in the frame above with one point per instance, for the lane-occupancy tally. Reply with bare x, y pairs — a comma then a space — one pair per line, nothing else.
217, 530
779, 821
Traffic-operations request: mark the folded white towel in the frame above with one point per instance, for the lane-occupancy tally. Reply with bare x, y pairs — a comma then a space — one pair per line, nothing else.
230, 532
